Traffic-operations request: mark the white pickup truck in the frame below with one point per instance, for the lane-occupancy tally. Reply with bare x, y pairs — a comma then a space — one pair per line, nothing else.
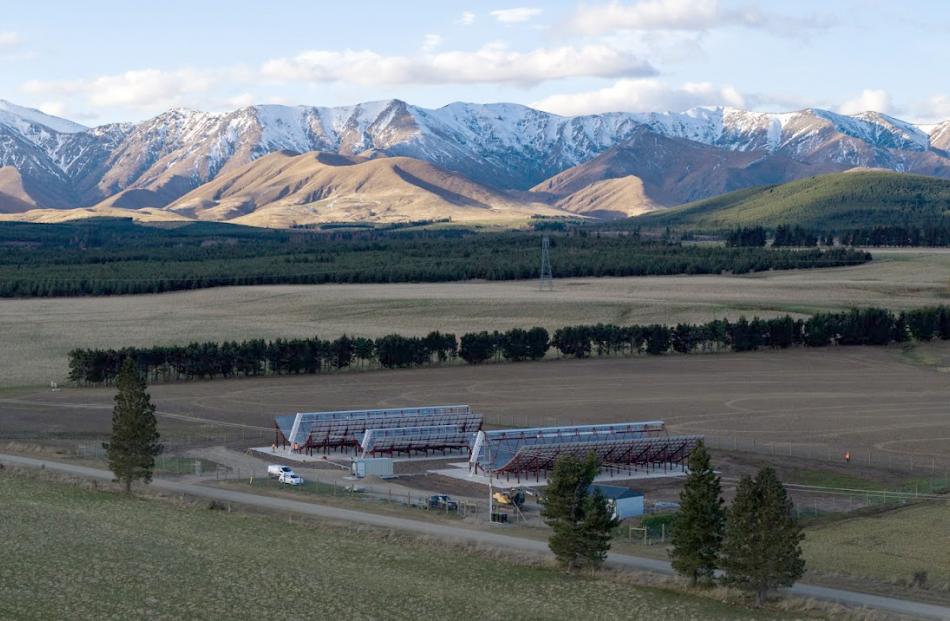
275, 472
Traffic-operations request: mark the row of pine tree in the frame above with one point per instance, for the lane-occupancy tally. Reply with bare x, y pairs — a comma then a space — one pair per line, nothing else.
257, 357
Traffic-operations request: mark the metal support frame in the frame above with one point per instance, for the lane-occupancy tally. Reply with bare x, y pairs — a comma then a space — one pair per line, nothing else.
547, 276
622, 453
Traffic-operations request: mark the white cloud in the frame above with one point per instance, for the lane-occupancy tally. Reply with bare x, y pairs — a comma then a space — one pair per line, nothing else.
875, 100
54, 108
155, 90
515, 15
934, 109
10, 41
144, 89
12, 47
647, 15
243, 100
642, 95
467, 18
493, 63
693, 15
431, 42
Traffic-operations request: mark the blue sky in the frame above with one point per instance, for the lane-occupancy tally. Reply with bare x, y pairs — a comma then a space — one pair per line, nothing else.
99, 61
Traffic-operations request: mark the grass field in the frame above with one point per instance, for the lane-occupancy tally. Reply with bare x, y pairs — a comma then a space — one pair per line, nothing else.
890, 546
35, 334
868, 400
72, 552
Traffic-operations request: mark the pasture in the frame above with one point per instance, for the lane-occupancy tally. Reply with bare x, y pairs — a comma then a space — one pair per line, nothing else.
888, 547
818, 402
35, 334
100, 555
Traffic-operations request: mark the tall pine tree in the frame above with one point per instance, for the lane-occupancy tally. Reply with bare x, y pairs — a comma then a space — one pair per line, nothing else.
698, 525
597, 527
581, 522
134, 443
762, 546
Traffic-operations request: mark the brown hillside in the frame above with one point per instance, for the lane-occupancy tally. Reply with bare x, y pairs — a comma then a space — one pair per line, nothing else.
610, 198
281, 189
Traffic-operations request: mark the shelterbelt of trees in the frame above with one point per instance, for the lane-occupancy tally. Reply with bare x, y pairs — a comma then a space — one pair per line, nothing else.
257, 357
122, 258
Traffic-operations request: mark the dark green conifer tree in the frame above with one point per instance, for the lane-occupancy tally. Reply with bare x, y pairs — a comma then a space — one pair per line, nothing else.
699, 523
134, 443
581, 522
762, 550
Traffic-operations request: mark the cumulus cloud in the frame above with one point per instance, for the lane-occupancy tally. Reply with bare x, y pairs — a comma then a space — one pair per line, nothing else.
694, 15
493, 63
153, 90
467, 18
515, 15
875, 100
642, 95
143, 89
430, 42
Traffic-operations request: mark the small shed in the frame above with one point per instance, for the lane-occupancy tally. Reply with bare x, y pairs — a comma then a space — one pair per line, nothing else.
624, 502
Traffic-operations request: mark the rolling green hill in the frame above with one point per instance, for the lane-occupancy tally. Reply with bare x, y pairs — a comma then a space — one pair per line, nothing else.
835, 201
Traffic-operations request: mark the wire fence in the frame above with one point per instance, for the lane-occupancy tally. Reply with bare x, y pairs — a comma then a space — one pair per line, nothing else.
244, 437
923, 478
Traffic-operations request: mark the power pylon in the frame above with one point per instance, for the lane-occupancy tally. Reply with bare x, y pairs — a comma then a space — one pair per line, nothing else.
547, 277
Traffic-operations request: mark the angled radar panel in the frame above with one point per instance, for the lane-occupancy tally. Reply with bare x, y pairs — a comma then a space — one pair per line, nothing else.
345, 428
414, 440
526, 452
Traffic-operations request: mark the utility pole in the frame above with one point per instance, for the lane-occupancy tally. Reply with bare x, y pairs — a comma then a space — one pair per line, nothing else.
547, 277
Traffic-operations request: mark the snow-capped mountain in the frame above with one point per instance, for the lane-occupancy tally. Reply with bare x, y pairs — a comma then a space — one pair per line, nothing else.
506, 146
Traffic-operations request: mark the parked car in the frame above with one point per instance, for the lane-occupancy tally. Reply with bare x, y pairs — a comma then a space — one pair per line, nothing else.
290, 478
276, 471
443, 503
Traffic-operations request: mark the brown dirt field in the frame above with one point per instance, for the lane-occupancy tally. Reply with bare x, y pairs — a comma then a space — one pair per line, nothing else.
35, 334
823, 401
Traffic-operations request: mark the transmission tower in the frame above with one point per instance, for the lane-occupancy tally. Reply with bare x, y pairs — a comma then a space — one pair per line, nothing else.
547, 277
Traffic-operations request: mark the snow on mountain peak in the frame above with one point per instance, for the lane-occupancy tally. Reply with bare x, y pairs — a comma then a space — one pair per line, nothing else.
20, 117
504, 145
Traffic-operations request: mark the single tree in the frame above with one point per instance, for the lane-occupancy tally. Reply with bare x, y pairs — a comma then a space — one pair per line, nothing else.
762, 546
698, 525
581, 522
342, 351
134, 443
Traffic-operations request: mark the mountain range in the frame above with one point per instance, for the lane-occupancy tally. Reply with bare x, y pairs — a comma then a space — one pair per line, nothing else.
391, 161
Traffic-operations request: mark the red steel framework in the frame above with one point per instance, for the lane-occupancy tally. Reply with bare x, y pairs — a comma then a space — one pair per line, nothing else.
621, 448
622, 456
